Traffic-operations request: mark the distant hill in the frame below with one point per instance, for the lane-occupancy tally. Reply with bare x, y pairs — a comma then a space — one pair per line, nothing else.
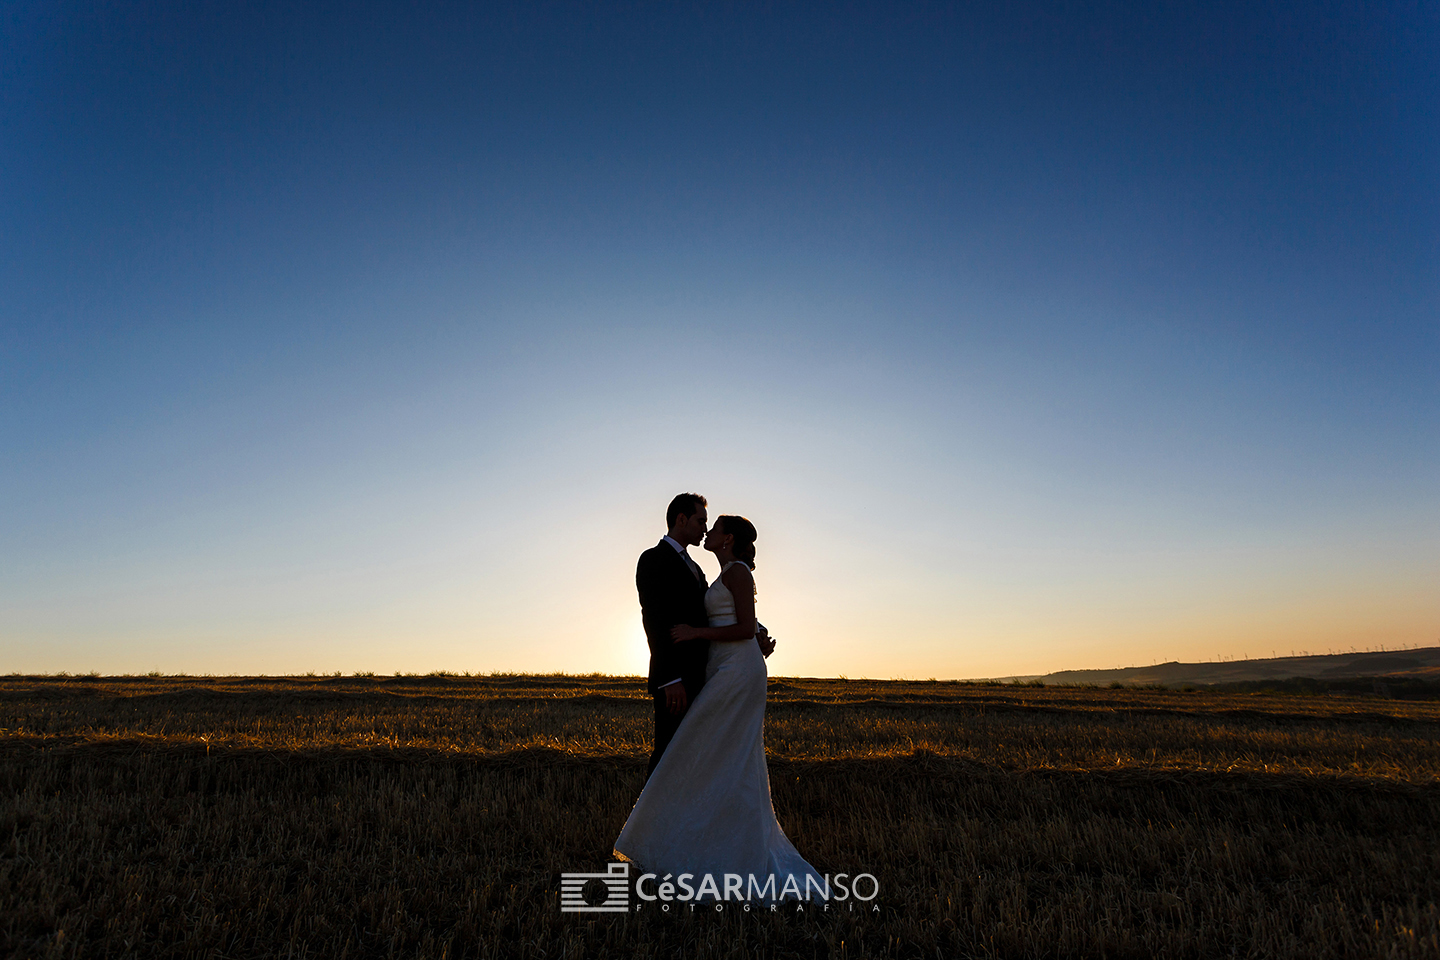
1422, 664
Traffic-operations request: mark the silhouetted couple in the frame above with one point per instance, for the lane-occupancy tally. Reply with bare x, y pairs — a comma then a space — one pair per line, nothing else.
706, 805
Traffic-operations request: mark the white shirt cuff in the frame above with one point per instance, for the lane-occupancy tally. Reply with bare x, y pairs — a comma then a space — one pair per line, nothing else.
676, 680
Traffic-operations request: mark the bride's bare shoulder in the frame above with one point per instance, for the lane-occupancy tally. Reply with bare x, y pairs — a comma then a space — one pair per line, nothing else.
738, 575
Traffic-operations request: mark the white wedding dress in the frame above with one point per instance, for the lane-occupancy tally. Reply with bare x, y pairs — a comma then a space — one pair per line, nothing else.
706, 808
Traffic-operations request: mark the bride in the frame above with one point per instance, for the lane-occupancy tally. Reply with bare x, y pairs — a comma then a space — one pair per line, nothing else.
706, 808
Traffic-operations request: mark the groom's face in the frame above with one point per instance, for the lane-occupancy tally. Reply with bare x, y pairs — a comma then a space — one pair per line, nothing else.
692, 528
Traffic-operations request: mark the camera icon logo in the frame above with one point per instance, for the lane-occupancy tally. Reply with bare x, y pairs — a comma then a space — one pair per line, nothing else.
596, 892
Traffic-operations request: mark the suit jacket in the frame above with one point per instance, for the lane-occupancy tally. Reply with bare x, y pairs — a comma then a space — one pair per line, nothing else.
670, 594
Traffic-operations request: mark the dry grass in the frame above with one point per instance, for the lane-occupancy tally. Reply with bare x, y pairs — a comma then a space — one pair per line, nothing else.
431, 816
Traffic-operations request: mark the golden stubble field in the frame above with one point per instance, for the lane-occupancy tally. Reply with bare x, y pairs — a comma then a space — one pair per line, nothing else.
335, 817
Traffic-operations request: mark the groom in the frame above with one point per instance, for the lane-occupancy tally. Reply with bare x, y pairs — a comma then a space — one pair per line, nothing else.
672, 591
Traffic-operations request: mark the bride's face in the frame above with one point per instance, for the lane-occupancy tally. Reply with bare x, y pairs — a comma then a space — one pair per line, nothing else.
717, 540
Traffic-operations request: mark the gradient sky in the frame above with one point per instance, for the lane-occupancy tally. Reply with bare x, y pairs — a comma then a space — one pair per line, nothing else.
377, 336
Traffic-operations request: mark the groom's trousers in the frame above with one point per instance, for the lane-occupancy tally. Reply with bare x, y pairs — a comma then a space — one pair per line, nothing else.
666, 724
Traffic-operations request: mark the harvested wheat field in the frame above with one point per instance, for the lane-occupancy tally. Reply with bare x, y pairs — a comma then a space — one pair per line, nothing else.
432, 816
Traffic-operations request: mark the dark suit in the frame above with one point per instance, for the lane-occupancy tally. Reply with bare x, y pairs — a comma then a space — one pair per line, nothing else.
670, 594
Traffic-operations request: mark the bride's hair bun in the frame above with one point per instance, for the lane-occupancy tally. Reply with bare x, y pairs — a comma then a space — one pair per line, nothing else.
744, 533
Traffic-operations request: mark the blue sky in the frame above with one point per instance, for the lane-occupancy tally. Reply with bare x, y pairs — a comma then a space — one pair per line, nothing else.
365, 337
